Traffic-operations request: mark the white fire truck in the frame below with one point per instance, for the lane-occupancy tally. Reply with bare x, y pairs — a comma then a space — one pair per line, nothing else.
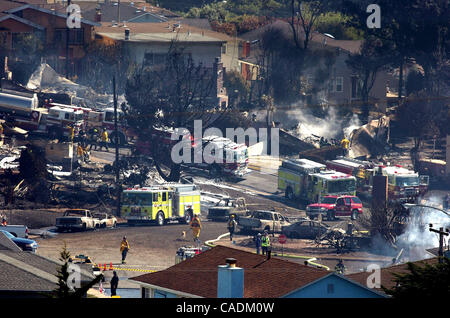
403, 184
160, 203
222, 157
23, 111
100, 119
226, 157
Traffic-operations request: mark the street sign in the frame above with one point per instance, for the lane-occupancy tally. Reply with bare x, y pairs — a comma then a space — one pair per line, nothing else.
282, 239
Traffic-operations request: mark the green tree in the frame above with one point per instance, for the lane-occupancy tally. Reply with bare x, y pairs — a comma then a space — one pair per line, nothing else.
430, 281
64, 289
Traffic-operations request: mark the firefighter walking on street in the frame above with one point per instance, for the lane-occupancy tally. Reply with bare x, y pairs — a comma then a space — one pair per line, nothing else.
231, 226
196, 226
124, 248
340, 267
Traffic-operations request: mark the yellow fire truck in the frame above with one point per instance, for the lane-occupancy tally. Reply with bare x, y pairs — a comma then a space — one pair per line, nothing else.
309, 181
160, 204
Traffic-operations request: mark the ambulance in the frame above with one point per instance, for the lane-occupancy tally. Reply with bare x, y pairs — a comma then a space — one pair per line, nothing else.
160, 204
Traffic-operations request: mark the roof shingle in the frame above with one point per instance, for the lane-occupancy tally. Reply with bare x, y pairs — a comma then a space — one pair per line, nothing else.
263, 278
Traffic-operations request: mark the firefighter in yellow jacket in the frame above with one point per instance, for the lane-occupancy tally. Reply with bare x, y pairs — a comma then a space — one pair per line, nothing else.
80, 152
344, 145
124, 247
104, 140
196, 226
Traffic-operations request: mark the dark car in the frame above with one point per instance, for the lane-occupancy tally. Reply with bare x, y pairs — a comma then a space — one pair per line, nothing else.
306, 229
25, 244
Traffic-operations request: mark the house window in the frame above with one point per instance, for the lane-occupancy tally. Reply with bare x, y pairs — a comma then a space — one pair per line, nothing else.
76, 36
330, 288
3, 38
339, 84
154, 58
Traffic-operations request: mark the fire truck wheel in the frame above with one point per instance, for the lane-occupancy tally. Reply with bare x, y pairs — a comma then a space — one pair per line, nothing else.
331, 215
160, 219
215, 170
122, 139
289, 193
354, 214
54, 133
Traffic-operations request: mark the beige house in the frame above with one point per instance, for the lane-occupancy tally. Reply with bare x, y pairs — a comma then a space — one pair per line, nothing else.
343, 84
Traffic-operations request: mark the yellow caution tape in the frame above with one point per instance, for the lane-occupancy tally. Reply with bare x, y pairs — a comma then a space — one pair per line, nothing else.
126, 269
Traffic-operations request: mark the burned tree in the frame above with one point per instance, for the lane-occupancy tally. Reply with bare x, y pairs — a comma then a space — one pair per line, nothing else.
304, 16
33, 170
386, 222
366, 64
171, 94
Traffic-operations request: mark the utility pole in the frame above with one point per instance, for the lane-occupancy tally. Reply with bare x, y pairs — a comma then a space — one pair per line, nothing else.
118, 13
441, 233
116, 143
67, 42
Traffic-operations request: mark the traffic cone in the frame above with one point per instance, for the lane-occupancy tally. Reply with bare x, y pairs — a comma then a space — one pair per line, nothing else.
110, 266
104, 268
100, 266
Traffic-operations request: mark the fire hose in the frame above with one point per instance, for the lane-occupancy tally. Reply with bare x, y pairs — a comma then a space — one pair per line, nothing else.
308, 259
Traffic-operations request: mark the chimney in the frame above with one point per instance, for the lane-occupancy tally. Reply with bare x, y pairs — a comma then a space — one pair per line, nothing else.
246, 49
230, 280
127, 34
98, 16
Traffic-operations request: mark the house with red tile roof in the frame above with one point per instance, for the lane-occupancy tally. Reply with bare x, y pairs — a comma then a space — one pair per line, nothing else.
233, 273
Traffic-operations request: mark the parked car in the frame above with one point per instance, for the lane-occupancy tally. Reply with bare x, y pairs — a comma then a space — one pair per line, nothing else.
76, 219
16, 230
333, 205
105, 220
25, 244
305, 229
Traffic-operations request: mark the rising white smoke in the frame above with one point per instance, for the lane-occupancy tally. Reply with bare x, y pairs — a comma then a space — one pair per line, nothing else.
304, 124
417, 236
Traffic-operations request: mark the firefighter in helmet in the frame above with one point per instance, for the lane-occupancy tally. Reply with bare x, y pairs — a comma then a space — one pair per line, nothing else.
231, 226
196, 226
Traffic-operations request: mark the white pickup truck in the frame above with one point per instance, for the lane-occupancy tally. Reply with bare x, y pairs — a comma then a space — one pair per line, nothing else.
77, 219
269, 221
16, 230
